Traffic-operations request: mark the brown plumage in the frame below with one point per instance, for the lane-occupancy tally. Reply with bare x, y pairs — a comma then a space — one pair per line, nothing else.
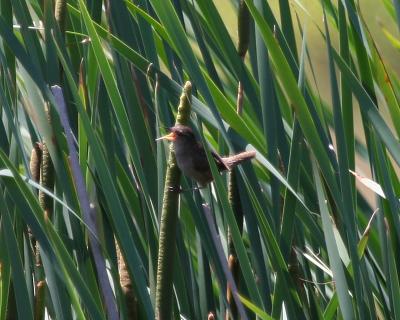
191, 156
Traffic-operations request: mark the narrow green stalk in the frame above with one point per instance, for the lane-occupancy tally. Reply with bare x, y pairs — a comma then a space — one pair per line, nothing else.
233, 262
169, 217
42, 170
244, 19
35, 165
40, 299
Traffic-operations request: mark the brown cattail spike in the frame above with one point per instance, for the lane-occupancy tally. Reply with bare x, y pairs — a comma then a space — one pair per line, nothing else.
46, 180
233, 161
36, 159
126, 285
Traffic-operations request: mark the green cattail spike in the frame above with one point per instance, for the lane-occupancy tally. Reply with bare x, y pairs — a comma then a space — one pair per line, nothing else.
169, 218
184, 109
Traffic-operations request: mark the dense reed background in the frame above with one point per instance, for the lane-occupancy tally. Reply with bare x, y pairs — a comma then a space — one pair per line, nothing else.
87, 86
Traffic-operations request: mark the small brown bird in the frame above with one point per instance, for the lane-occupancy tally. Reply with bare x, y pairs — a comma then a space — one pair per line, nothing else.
191, 156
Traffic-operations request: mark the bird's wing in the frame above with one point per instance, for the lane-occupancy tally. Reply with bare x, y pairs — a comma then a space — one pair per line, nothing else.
201, 163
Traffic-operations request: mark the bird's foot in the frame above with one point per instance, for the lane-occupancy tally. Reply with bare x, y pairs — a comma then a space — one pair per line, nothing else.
177, 189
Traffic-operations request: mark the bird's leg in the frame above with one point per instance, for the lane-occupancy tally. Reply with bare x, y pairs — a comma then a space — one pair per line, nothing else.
199, 187
179, 189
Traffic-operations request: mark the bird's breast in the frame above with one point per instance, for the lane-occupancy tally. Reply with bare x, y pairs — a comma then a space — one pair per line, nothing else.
185, 158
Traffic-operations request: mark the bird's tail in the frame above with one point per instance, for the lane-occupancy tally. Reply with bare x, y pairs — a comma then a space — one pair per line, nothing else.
233, 161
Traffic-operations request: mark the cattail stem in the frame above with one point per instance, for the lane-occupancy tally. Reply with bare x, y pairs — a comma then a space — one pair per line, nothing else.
244, 19
39, 299
169, 218
233, 262
41, 168
42, 171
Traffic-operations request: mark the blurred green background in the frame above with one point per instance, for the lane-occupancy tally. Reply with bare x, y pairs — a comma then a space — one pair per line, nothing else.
310, 17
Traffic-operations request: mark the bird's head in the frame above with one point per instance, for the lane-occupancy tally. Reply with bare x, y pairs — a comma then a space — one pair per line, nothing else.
179, 133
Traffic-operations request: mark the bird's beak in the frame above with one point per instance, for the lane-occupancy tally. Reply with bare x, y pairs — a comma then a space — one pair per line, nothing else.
170, 137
